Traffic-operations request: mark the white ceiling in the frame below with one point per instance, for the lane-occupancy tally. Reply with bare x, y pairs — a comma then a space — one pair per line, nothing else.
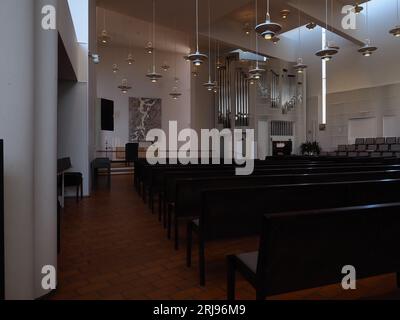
229, 16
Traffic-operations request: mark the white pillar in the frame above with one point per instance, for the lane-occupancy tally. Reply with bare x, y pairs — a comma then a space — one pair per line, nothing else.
16, 128
28, 125
45, 145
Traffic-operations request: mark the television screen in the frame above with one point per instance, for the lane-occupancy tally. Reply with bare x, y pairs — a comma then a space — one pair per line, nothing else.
107, 115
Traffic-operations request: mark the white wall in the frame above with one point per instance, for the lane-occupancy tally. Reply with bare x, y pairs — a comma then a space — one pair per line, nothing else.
73, 127
108, 82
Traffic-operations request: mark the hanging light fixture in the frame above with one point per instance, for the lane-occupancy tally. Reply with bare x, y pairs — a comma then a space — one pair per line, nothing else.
285, 13
329, 51
165, 67
268, 29
124, 87
257, 72
149, 47
275, 40
104, 37
396, 30
154, 76
216, 85
175, 94
300, 66
358, 9
197, 58
247, 28
311, 25
367, 49
115, 68
130, 59
210, 84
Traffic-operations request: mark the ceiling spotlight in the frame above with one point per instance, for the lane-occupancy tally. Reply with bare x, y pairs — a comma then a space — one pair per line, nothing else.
149, 47
130, 59
275, 40
358, 9
104, 37
300, 66
367, 49
124, 87
285, 13
95, 58
115, 68
268, 35
311, 26
395, 32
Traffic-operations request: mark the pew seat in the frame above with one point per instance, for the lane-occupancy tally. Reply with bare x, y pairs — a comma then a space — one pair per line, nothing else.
308, 249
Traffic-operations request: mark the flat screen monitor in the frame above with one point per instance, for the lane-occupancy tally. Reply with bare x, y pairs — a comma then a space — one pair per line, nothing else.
107, 115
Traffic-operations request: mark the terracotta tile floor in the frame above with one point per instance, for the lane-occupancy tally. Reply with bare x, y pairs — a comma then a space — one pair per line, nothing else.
114, 248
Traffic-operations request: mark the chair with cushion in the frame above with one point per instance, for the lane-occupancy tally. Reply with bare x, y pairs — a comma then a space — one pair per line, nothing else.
376, 155
370, 141
380, 141
74, 179
391, 140
352, 154
351, 147
395, 147
361, 147
342, 154
102, 164
387, 154
383, 147
131, 152
363, 154
360, 141
372, 147
342, 148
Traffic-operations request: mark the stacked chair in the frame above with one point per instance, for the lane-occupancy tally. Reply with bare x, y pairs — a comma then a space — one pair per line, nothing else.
369, 147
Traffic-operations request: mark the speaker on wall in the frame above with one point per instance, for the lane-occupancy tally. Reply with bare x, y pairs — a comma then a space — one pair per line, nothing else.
107, 115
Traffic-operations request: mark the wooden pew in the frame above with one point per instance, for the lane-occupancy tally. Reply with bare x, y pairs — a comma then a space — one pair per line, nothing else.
308, 249
168, 190
187, 195
231, 213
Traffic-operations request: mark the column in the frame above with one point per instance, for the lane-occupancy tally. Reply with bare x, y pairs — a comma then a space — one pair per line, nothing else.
45, 145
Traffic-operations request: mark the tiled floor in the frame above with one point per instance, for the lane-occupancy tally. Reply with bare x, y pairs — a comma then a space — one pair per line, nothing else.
114, 248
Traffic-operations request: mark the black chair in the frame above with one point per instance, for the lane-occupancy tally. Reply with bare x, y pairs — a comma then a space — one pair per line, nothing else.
74, 179
383, 147
370, 141
351, 147
395, 147
380, 141
391, 140
131, 152
360, 141
361, 148
101, 163
71, 179
365, 237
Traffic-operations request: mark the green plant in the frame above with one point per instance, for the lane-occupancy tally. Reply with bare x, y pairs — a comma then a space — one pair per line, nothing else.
310, 148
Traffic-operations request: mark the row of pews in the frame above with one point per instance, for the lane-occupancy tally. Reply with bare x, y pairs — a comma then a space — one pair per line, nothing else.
308, 212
